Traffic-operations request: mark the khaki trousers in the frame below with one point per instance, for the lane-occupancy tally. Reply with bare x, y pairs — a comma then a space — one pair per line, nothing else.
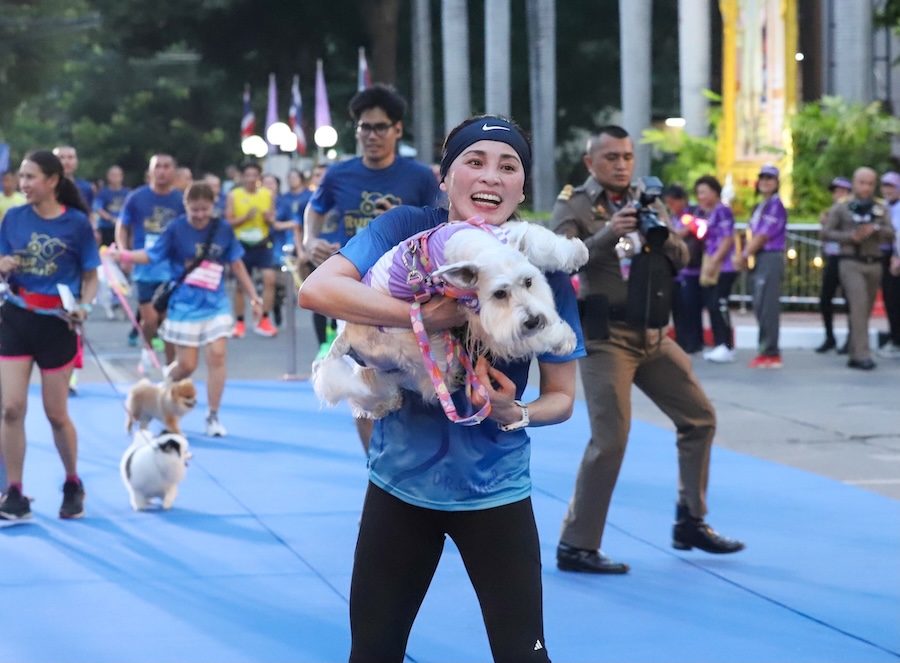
860, 282
658, 367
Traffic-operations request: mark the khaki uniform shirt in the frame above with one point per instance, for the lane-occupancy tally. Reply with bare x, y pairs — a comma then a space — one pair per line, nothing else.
840, 226
584, 212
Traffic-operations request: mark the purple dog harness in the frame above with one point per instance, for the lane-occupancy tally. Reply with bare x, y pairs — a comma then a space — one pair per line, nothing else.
410, 277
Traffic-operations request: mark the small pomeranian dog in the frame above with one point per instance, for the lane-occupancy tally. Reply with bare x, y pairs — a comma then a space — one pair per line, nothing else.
167, 402
153, 467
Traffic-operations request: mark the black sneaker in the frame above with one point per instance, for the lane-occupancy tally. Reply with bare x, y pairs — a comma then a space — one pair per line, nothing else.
14, 505
73, 500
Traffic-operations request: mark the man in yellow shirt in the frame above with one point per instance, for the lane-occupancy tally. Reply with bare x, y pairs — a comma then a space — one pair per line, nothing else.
10, 197
250, 210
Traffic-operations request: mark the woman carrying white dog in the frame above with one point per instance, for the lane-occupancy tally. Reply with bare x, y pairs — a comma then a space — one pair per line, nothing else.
199, 312
430, 478
47, 243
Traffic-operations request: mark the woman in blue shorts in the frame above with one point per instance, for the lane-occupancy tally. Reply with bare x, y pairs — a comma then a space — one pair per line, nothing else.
430, 478
199, 312
47, 243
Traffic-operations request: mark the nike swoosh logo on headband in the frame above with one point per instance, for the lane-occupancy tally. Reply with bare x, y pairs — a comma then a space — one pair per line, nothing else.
488, 127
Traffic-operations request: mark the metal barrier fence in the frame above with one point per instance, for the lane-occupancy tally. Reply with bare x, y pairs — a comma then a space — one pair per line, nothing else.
803, 270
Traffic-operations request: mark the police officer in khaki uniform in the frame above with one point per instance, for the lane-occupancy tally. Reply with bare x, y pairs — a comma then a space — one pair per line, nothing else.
601, 213
860, 224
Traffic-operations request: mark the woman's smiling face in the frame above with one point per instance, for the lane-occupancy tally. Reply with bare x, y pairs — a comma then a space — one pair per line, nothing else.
486, 180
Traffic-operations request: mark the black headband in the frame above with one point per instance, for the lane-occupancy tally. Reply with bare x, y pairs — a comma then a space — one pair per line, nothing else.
486, 128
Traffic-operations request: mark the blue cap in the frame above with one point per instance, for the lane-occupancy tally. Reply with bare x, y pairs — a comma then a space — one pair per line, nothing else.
768, 171
840, 183
891, 178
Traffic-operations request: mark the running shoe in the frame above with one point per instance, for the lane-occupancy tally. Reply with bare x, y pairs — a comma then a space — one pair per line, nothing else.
721, 354
239, 329
14, 506
265, 328
763, 361
73, 500
214, 428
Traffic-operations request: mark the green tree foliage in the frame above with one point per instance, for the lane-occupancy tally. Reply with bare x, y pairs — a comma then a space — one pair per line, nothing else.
832, 138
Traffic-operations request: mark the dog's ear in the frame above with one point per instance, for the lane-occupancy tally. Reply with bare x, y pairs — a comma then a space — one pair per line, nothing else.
170, 446
462, 275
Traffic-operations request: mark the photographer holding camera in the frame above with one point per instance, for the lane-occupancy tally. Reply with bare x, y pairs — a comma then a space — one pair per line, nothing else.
624, 313
860, 225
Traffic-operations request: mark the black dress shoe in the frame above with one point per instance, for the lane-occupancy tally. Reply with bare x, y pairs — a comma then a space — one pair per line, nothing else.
586, 561
829, 344
690, 532
861, 364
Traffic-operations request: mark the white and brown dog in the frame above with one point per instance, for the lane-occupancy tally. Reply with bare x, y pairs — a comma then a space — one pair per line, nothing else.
166, 402
497, 271
153, 467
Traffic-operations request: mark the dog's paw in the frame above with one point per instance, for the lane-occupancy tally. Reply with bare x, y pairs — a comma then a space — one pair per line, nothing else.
577, 257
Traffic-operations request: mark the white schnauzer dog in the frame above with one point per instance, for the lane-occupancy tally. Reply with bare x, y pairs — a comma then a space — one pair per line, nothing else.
498, 272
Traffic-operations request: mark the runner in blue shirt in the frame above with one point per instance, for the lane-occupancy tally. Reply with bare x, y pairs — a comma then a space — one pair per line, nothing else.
354, 192
108, 205
199, 312
428, 477
68, 156
145, 215
45, 244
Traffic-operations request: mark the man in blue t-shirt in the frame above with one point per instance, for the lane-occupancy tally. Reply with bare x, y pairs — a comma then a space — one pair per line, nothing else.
68, 156
354, 192
146, 213
108, 205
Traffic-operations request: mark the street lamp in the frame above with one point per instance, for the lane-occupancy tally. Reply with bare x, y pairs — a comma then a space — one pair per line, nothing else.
254, 146
278, 133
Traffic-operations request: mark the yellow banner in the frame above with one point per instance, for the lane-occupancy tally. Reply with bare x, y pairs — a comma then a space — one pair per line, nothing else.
759, 89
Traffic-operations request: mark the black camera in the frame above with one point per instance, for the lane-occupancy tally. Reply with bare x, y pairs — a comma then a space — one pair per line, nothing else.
654, 229
861, 210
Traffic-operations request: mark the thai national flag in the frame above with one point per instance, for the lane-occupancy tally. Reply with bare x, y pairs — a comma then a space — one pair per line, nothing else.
248, 119
363, 80
295, 115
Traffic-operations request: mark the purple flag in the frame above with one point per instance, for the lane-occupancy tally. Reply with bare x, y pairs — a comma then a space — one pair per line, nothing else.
323, 112
272, 110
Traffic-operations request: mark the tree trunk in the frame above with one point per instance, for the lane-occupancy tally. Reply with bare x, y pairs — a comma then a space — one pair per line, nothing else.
423, 82
541, 19
381, 18
455, 56
496, 57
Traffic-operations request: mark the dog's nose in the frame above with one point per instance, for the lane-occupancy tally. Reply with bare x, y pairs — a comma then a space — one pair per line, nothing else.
534, 322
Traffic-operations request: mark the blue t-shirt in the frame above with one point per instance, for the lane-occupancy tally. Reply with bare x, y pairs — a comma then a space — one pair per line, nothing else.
86, 191
148, 213
416, 453
50, 251
111, 202
178, 245
288, 207
348, 192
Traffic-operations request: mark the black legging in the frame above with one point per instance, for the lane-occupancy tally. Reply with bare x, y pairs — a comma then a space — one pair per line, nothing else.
397, 552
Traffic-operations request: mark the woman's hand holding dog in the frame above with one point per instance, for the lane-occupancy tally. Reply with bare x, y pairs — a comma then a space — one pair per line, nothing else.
501, 390
440, 313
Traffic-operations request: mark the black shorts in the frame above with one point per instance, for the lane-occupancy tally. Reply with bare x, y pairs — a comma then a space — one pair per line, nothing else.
145, 290
107, 235
258, 256
44, 338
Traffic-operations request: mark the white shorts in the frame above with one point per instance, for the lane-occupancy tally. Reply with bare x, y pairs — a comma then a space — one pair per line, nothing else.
199, 332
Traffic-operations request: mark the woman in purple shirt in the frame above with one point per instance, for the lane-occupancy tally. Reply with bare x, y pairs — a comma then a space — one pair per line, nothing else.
768, 228
717, 273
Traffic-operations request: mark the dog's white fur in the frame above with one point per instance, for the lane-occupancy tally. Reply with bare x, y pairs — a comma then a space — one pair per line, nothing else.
517, 319
153, 467
167, 402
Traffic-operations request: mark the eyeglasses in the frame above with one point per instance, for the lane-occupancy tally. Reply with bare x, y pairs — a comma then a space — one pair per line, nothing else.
379, 129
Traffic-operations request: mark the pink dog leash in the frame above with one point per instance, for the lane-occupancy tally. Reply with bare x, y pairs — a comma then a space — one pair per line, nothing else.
454, 350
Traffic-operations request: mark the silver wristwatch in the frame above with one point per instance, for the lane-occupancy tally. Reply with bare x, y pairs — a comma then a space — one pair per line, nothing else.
516, 425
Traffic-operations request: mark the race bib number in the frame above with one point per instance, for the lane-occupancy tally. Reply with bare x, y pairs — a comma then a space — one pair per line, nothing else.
207, 275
